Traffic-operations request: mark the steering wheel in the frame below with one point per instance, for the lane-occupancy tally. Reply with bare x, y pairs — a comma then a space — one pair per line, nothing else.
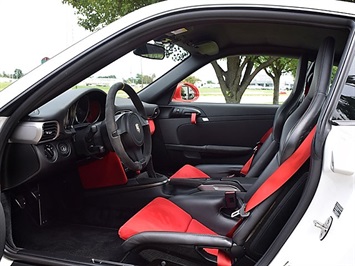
128, 131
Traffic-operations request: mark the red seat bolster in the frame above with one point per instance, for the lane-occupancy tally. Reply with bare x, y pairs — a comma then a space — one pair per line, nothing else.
189, 171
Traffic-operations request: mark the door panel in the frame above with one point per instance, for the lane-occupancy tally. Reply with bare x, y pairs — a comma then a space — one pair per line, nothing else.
221, 133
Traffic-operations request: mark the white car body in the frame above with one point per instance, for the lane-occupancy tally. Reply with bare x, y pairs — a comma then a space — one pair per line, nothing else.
336, 186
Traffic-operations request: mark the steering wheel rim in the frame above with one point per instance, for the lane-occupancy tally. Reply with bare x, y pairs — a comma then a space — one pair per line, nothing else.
128, 132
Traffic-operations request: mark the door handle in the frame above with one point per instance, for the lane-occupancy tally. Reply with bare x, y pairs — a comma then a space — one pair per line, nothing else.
179, 112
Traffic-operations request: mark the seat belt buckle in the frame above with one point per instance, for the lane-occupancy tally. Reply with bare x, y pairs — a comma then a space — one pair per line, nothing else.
240, 213
230, 199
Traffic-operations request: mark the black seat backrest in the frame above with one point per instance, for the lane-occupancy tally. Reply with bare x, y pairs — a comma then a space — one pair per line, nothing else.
296, 128
271, 145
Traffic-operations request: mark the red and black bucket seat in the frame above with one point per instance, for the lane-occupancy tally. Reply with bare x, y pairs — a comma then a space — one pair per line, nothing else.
196, 222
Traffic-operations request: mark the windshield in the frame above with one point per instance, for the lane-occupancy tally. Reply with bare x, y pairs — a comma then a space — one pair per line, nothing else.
135, 70
132, 69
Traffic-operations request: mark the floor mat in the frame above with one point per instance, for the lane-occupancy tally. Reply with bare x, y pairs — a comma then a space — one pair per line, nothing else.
69, 241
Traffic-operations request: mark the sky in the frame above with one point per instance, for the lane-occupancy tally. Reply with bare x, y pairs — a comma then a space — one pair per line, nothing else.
33, 29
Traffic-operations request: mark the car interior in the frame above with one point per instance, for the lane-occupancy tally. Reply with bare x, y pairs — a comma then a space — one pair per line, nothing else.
89, 177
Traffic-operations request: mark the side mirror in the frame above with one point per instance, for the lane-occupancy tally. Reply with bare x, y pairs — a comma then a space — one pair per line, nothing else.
150, 51
186, 92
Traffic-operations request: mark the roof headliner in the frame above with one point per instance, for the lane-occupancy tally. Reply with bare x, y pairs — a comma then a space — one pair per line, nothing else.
258, 34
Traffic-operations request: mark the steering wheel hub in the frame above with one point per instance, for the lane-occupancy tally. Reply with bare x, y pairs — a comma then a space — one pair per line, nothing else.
135, 134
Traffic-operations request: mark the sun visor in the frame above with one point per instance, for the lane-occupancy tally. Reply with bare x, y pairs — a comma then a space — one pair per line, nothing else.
207, 48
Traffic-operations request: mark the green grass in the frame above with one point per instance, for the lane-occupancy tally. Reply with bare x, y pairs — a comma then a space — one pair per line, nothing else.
203, 91
211, 92
248, 92
3, 85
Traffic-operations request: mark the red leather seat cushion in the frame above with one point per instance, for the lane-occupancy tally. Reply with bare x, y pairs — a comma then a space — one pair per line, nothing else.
159, 215
163, 215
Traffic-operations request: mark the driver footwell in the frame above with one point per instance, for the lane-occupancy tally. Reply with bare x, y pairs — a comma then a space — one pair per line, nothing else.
69, 241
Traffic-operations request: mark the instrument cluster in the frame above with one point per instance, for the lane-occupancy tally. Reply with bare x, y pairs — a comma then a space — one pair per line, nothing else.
89, 109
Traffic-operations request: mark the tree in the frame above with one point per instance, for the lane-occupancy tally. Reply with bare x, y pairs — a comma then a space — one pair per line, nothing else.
130, 80
18, 73
144, 79
94, 14
5, 75
277, 68
239, 73
192, 79
234, 81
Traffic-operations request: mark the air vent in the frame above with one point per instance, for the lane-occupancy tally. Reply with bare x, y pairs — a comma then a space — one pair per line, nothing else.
49, 131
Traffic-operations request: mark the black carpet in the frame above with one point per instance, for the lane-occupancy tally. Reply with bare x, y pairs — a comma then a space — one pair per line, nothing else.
70, 241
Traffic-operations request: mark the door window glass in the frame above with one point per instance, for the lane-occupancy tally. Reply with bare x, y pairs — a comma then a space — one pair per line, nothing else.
241, 80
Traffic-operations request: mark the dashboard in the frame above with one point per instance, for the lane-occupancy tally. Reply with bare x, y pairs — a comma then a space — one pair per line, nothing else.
60, 134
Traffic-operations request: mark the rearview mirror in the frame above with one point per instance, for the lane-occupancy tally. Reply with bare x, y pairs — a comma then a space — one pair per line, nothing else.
150, 51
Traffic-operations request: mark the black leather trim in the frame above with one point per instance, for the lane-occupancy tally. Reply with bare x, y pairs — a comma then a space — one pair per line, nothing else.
245, 182
220, 170
187, 182
263, 156
205, 206
292, 102
300, 123
219, 149
175, 238
234, 183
